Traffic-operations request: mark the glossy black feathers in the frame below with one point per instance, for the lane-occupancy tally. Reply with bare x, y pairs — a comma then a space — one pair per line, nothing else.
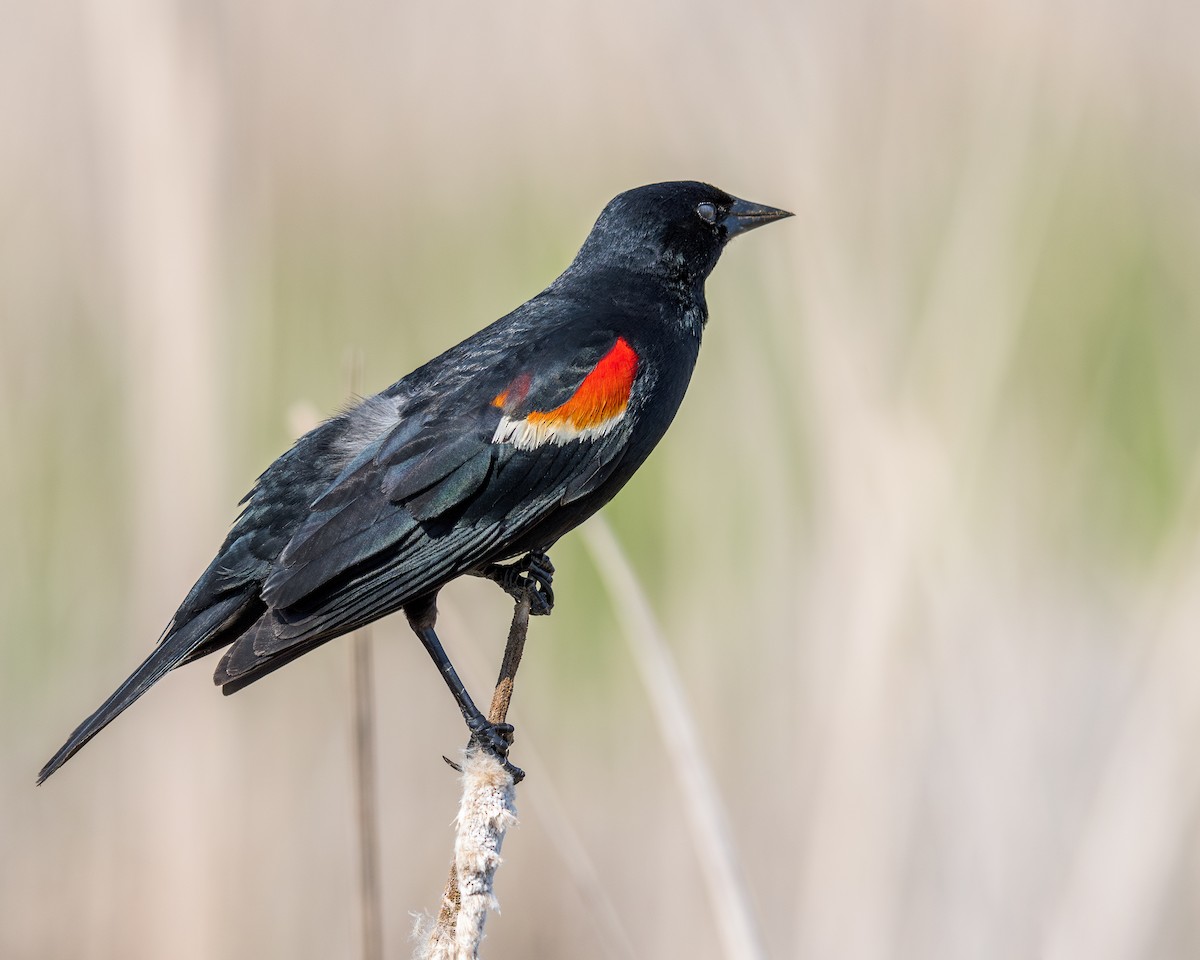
450, 469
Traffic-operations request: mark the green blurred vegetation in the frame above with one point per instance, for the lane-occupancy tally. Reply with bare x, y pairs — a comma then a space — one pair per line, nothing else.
923, 538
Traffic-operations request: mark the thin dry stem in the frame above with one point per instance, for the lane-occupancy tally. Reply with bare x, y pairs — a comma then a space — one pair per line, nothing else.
371, 913
703, 809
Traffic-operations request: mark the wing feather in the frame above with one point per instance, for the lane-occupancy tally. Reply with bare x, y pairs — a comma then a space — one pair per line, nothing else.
453, 489
420, 504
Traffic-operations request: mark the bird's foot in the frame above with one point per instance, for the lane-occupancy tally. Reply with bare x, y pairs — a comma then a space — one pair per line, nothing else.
496, 738
532, 576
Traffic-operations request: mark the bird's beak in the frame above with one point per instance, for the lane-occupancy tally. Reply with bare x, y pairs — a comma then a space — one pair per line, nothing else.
744, 215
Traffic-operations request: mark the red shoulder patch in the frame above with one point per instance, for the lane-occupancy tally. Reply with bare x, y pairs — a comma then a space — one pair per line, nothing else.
604, 393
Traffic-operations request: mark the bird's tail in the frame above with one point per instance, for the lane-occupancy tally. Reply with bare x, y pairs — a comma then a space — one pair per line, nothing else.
225, 616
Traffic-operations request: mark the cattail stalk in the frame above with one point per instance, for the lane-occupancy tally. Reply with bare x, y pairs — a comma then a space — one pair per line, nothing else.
486, 812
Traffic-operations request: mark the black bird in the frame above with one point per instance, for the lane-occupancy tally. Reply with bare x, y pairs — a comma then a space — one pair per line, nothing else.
489, 452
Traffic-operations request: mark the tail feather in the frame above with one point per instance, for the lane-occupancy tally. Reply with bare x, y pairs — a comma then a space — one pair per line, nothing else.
200, 632
242, 665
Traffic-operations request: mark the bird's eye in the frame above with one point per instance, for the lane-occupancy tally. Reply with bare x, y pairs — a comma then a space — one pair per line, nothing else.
707, 212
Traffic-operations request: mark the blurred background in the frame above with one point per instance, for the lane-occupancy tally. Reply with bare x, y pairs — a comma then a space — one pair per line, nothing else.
924, 541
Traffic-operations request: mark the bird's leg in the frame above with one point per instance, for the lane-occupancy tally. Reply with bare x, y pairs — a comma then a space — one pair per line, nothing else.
495, 738
532, 576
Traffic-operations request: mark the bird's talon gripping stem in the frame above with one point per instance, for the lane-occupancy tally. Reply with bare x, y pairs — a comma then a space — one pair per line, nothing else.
496, 738
532, 576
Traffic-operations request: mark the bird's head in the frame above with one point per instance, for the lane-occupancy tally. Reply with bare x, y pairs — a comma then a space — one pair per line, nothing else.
676, 230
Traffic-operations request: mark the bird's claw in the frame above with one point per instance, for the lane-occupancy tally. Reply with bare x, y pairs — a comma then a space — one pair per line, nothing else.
539, 579
496, 738
530, 577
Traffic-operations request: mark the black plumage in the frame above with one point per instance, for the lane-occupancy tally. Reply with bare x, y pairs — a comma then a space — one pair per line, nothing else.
492, 450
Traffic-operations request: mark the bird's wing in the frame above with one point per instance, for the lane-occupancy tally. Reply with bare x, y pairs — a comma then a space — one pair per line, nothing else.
447, 488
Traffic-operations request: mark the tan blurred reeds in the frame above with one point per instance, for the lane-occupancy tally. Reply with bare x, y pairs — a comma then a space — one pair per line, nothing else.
926, 523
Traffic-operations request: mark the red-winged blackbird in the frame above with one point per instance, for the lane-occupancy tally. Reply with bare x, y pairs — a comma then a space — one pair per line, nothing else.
491, 451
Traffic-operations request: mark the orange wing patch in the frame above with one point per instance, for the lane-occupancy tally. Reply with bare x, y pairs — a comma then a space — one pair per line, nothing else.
596, 406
